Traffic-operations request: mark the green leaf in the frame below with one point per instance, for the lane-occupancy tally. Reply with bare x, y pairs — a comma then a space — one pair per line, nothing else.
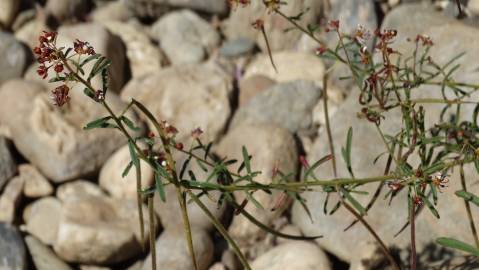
354, 202
133, 154
346, 152
207, 150
98, 123
430, 206
127, 169
89, 93
184, 166
246, 159
159, 187
92, 57
202, 166
129, 123
313, 167
57, 79
467, 196
80, 69
253, 200
456, 244
104, 80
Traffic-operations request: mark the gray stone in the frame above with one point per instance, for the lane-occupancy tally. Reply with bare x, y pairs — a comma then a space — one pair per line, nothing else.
172, 252
12, 249
251, 86
237, 47
352, 13
36, 185
43, 257
14, 57
7, 164
185, 37
10, 199
42, 219
209, 6
53, 138
66, 10
288, 105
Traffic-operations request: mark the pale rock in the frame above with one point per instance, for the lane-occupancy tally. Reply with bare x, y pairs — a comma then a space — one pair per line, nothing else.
294, 255
77, 189
239, 23
154, 8
288, 229
10, 199
93, 267
14, 57
53, 138
120, 187
251, 86
352, 13
7, 163
218, 266
43, 257
270, 146
12, 249
185, 37
98, 230
172, 251
42, 219
473, 7
36, 185
187, 96
112, 11
8, 11
28, 33
143, 56
66, 10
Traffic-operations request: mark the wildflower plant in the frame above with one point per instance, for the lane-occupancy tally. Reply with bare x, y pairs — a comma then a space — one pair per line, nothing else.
384, 85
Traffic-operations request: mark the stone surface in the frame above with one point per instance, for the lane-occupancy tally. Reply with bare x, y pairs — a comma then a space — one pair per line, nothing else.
473, 7
117, 186
10, 199
36, 185
352, 13
43, 257
143, 56
251, 86
237, 47
8, 11
93, 267
14, 57
7, 164
28, 32
66, 10
42, 219
172, 252
209, 6
288, 105
270, 146
239, 23
78, 188
12, 249
112, 11
188, 97
297, 255
98, 230
53, 138
185, 37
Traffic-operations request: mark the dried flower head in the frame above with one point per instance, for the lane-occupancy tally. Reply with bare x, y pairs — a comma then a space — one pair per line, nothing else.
60, 95
272, 5
426, 40
440, 180
235, 3
321, 50
196, 133
82, 47
333, 25
258, 24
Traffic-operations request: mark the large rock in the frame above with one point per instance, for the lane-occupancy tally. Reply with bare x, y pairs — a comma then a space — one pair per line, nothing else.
289, 105
66, 10
352, 13
270, 146
367, 145
10, 199
298, 255
172, 251
42, 219
112, 11
78, 188
43, 257
8, 11
143, 56
188, 97
209, 6
52, 138
98, 230
240, 20
120, 187
12, 249
36, 185
14, 57
7, 164
185, 37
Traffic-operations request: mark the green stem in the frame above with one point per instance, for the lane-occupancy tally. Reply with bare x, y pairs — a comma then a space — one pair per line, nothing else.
151, 211
468, 207
187, 227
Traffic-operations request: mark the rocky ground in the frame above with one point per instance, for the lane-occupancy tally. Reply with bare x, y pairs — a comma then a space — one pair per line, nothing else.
63, 202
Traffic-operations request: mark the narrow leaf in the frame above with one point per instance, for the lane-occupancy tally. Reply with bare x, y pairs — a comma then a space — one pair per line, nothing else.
456, 244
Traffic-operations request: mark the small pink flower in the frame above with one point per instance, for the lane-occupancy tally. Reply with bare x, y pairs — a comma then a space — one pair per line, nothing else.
60, 95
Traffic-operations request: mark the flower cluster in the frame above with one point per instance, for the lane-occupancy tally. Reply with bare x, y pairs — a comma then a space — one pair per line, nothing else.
46, 54
82, 47
235, 3
272, 5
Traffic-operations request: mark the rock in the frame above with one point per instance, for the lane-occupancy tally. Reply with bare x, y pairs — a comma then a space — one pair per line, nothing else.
12, 249
98, 230
77, 189
269, 146
104, 43
36, 185
120, 187
112, 11
185, 37
53, 138
10, 199
66, 10
8, 11
209, 6
7, 164
473, 7
237, 47
143, 56
29, 31
291, 66
295, 255
188, 97
218, 266
42, 219
93, 267
172, 251
23, 17
239, 23
291, 230
352, 13
136, 266
288, 105
14, 57
251, 86
43, 257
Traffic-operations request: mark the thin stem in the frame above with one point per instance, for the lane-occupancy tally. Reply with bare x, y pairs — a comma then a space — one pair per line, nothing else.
140, 208
221, 229
328, 126
468, 207
151, 211
187, 227
412, 222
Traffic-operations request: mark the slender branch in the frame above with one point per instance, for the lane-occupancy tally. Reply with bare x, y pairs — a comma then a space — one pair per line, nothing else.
328, 126
151, 211
412, 215
468, 207
139, 204
187, 227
